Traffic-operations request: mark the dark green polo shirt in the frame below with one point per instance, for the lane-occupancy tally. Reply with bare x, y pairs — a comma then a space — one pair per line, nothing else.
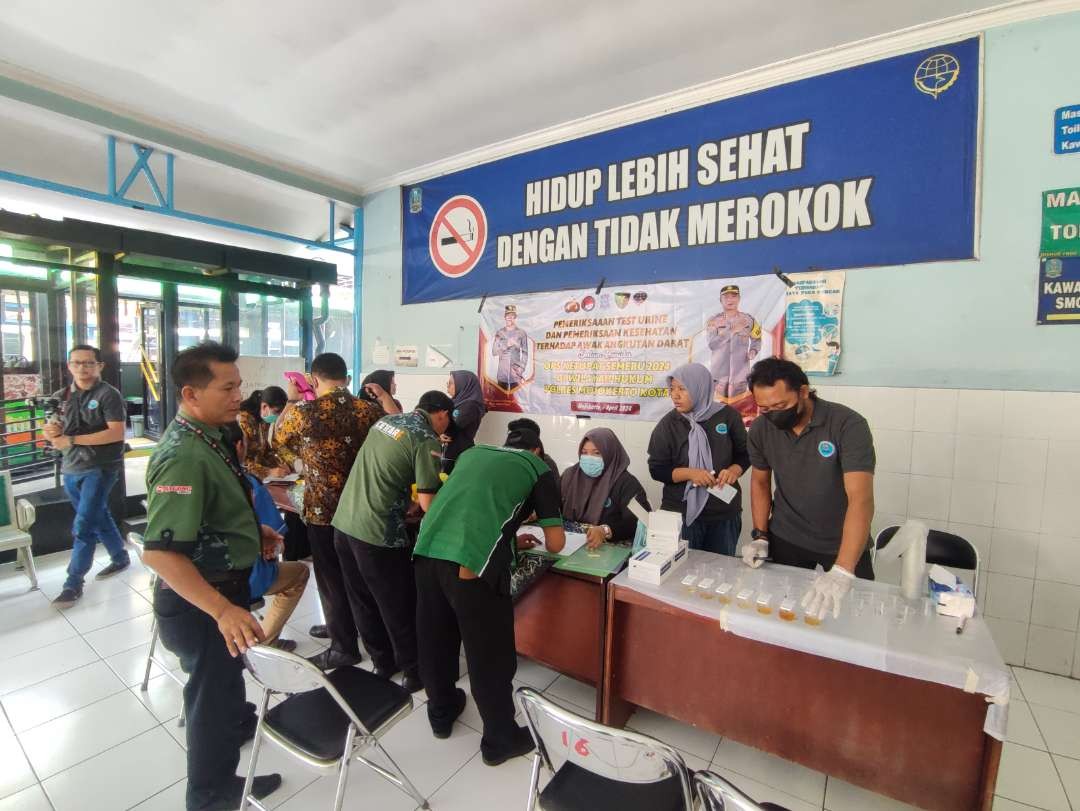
809, 501
196, 505
475, 518
400, 450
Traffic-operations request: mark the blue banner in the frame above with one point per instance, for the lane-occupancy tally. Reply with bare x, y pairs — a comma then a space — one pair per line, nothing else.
872, 165
1059, 290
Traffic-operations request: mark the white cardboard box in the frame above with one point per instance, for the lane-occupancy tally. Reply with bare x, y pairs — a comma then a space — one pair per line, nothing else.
654, 567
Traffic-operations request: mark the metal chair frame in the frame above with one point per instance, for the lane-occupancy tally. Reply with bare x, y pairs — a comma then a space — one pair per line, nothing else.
529, 698
21, 519
357, 739
717, 794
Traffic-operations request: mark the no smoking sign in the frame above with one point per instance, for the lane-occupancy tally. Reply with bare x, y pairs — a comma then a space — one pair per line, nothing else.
458, 235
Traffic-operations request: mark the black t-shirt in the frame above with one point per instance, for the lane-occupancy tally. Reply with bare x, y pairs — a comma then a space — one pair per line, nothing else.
616, 513
89, 412
669, 448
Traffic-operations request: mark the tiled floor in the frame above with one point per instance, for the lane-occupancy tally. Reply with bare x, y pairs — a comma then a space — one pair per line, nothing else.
77, 733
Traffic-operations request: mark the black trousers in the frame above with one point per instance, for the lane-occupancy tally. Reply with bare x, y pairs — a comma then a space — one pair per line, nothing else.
781, 551
382, 593
296, 539
332, 592
450, 611
214, 699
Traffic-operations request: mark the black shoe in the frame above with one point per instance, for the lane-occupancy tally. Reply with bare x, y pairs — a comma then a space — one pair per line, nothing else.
442, 729
262, 786
67, 598
319, 632
287, 645
247, 729
384, 672
412, 683
522, 745
111, 569
330, 659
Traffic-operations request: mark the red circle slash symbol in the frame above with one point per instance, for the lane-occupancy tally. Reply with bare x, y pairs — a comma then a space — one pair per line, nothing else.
458, 235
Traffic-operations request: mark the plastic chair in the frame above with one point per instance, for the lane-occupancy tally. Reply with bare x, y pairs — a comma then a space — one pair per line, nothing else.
718, 794
598, 768
944, 549
13, 528
328, 720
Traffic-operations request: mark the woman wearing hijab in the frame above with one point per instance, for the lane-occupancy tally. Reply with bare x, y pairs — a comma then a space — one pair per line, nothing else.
469, 409
697, 445
257, 414
597, 491
387, 388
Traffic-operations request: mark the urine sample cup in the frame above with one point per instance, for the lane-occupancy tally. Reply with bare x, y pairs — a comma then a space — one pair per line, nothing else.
744, 598
787, 610
764, 603
723, 593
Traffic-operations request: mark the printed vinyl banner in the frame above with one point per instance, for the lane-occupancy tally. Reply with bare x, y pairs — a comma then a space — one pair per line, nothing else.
872, 165
812, 333
609, 353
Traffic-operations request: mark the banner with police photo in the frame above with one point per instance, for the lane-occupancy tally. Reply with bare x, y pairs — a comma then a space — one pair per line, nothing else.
872, 165
609, 353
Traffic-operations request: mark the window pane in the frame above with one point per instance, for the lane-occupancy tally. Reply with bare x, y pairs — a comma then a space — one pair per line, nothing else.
252, 330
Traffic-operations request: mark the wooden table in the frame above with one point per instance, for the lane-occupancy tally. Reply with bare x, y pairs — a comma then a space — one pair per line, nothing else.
560, 622
917, 741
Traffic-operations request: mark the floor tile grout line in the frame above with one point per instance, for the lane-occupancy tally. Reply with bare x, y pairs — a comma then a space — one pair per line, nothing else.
29, 763
77, 709
155, 794
100, 658
109, 749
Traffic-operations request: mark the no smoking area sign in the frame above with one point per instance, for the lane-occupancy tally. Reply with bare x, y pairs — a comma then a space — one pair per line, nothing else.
458, 236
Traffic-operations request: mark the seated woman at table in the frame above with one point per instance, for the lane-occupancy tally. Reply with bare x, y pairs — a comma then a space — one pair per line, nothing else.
597, 491
698, 445
257, 415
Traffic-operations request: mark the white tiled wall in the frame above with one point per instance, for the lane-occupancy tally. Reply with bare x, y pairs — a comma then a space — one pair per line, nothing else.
1000, 468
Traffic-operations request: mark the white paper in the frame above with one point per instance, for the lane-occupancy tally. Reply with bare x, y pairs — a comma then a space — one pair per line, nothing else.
292, 477
574, 540
724, 492
380, 355
640, 513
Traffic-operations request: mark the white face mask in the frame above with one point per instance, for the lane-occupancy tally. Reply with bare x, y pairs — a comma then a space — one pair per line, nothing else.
591, 466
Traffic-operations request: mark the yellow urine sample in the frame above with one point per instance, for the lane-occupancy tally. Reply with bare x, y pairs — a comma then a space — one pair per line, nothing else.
787, 615
811, 620
764, 609
742, 599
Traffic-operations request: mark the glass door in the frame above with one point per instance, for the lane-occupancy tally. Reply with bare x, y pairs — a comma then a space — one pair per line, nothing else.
153, 370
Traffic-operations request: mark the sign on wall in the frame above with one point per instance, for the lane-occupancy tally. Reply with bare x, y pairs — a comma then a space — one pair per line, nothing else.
872, 165
1060, 222
812, 333
610, 353
1067, 129
1059, 290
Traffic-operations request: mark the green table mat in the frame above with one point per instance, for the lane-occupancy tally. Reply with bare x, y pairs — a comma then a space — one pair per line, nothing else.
605, 560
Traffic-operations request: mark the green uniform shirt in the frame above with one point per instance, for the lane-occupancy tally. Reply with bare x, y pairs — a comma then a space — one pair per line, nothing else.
475, 518
400, 450
195, 503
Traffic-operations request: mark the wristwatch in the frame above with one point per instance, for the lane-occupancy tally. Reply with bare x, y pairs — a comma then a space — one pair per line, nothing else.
759, 535
607, 531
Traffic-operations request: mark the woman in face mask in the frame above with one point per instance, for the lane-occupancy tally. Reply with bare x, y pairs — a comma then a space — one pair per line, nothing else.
257, 414
698, 445
597, 490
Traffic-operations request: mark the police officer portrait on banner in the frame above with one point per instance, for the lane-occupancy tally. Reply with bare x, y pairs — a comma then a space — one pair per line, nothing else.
511, 348
734, 342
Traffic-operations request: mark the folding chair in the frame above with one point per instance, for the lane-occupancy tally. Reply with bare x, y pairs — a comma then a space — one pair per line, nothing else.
598, 768
13, 528
944, 549
718, 794
328, 720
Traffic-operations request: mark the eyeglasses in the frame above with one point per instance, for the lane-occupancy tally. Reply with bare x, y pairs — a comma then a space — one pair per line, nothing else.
83, 363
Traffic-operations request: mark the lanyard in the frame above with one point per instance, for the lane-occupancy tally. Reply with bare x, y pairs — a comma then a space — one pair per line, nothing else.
225, 457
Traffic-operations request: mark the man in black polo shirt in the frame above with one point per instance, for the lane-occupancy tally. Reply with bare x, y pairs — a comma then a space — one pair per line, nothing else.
822, 456
90, 434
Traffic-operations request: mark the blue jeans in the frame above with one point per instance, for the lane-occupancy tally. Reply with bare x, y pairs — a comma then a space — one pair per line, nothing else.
89, 495
720, 537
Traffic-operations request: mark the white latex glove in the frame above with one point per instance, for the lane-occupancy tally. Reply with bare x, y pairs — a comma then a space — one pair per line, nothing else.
755, 552
827, 592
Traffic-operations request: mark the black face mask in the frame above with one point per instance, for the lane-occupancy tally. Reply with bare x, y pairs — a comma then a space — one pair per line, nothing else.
786, 419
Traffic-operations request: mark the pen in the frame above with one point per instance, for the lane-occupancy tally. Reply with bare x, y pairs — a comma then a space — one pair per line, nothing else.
960, 625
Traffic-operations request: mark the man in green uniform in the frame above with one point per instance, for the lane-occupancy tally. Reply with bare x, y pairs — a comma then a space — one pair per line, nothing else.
464, 556
370, 535
202, 538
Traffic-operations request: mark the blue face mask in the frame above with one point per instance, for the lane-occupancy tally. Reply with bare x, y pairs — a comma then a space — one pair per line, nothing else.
591, 466
270, 418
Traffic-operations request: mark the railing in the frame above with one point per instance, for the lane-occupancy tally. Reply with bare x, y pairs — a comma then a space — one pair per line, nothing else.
23, 449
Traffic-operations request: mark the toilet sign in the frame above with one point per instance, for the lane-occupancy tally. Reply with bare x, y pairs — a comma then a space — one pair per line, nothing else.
458, 235
1060, 222
1067, 129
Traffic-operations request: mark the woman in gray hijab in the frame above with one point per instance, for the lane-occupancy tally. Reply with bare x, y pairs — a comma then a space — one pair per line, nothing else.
598, 489
697, 445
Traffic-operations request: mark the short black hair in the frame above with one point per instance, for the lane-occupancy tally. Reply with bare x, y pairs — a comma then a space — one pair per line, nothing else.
330, 366
770, 371
433, 401
274, 396
523, 422
523, 439
232, 433
192, 366
85, 348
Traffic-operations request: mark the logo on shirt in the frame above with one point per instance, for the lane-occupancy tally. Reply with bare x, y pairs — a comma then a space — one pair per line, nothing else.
174, 489
607, 503
456, 413
389, 430
92, 404
721, 428
826, 449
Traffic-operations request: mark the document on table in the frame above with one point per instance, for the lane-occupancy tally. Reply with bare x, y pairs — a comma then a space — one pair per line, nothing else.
290, 479
574, 540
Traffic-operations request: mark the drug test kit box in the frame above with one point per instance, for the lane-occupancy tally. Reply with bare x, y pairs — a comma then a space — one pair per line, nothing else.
654, 567
665, 531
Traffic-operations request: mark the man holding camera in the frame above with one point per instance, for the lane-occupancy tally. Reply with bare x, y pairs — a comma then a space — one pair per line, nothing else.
89, 431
